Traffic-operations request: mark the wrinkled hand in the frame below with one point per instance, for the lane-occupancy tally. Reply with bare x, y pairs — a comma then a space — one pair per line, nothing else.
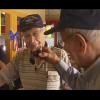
49, 56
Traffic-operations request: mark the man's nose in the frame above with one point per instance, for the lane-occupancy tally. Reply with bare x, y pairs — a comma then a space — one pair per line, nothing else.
32, 39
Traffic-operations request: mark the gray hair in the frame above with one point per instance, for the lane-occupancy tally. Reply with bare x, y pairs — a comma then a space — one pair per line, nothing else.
90, 35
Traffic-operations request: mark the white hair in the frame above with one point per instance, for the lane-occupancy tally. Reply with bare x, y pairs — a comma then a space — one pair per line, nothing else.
90, 35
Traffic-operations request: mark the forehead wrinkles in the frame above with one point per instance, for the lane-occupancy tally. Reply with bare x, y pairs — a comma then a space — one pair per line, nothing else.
34, 30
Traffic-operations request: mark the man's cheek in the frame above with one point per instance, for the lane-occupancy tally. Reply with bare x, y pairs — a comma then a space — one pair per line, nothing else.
28, 44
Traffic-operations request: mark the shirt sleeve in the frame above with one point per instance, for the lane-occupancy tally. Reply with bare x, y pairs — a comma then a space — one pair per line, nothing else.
70, 75
10, 72
65, 57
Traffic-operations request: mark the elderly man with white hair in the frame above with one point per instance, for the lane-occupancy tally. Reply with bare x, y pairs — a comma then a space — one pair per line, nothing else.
80, 32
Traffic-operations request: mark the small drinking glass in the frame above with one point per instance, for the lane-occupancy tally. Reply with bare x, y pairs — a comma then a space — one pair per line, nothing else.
37, 50
36, 55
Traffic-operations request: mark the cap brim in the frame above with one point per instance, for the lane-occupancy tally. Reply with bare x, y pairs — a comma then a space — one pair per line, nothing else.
52, 30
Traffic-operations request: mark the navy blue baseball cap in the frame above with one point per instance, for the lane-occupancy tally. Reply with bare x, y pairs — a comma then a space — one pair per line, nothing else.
88, 19
33, 20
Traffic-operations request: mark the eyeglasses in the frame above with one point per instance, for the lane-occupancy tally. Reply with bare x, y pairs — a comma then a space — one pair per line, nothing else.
62, 43
34, 34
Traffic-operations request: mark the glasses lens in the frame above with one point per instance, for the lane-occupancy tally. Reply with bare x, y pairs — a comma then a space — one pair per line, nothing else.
61, 43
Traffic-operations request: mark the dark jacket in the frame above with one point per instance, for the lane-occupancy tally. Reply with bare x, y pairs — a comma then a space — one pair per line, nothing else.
2, 55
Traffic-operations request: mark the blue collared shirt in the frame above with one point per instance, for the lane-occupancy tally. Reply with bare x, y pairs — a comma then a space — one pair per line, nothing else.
89, 80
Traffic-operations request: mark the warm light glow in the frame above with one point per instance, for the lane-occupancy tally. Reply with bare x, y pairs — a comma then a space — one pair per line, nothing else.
47, 28
3, 13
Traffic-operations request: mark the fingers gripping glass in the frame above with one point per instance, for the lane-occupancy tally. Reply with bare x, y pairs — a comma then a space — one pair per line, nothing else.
34, 34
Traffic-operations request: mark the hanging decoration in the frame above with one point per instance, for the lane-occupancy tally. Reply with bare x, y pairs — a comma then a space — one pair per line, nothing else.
52, 25
47, 28
15, 44
15, 37
12, 35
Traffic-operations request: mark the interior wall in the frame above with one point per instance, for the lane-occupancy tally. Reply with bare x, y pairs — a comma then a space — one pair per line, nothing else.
41, 12
2, 40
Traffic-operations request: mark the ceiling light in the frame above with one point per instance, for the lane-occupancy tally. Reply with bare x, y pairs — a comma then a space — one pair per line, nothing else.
3, 13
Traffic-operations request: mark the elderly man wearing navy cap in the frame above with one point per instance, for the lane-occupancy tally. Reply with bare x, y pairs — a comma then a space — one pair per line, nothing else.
34, 73
80, 32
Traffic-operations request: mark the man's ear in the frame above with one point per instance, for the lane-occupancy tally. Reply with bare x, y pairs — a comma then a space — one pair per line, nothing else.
82, 42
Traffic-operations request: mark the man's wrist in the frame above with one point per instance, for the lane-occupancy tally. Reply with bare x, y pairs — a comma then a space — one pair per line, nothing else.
56, 61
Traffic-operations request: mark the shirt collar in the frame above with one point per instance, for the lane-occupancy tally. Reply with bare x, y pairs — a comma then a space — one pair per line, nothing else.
91, 73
